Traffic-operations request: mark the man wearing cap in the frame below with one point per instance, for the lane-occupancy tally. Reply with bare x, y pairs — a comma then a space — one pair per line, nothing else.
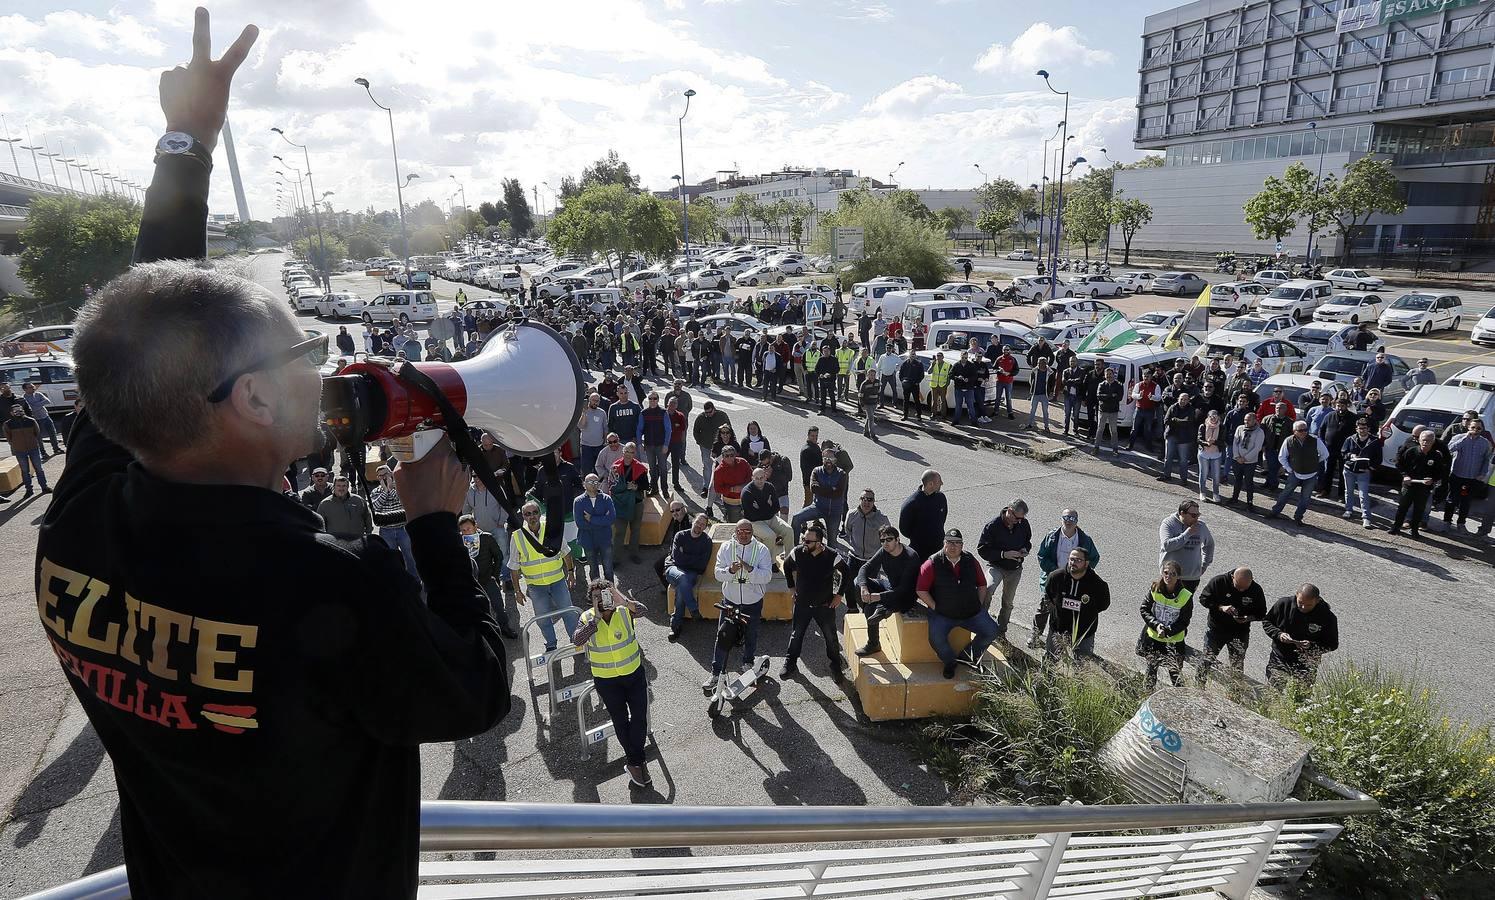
952, 587
312, 496
1054, 547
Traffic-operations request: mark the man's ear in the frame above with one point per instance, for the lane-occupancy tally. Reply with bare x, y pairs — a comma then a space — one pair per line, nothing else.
254, 398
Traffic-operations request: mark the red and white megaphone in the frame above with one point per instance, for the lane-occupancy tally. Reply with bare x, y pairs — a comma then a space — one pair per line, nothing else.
524, 386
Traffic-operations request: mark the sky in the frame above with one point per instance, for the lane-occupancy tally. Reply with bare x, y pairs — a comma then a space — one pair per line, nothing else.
537, 90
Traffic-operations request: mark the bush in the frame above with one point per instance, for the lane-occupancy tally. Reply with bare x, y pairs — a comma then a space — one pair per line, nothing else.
895, 242
1033, 738
1389, 735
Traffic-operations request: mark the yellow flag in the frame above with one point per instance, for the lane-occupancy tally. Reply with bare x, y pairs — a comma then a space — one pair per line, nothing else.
1175, 338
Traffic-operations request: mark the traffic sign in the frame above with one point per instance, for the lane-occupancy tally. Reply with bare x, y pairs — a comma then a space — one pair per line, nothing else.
1279, 246
848, 243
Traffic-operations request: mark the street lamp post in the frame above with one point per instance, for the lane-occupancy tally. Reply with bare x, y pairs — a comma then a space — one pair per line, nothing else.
1110, 193
1059, 197
399, 189
52, 161
12, 142
1323, 145
463, 191
1044, 182
34, 164
680, 127
316, 216
893, 173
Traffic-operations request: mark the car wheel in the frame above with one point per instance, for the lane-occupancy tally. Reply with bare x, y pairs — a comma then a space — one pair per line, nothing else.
752, 282
1360, 287
1455, 323
1354, 320
779, 280
545, 280
1427, 328
1069, 293
368, 319
1094, 293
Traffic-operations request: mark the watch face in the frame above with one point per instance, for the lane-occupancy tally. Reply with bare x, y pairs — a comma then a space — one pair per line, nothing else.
175, 142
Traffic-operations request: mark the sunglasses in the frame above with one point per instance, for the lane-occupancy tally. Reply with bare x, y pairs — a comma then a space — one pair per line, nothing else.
314, 350
888, 540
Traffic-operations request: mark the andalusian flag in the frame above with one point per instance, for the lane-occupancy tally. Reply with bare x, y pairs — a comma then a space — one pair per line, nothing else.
1110, 332
1175, 338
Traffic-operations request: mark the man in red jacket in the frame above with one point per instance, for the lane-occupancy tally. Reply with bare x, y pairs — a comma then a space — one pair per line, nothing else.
731, 475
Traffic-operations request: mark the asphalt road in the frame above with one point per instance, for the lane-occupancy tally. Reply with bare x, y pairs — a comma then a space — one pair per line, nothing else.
1425, 607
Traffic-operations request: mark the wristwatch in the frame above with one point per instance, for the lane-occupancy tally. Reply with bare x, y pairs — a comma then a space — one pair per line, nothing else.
179, 143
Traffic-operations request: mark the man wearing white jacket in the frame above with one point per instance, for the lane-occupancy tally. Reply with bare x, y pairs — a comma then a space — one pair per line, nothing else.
743, 566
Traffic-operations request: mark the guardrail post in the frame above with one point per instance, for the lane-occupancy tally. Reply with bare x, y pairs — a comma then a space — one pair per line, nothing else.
1240, 884
1041, 871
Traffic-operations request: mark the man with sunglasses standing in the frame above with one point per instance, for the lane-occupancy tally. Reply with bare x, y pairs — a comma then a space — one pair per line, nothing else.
211, 678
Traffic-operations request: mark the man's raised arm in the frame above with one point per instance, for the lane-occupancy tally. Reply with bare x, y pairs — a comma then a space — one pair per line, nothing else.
195, 100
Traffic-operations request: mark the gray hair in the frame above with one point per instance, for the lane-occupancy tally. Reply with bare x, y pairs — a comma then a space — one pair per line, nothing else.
157, 340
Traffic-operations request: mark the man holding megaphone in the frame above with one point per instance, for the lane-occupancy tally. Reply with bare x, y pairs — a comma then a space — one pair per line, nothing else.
261, 687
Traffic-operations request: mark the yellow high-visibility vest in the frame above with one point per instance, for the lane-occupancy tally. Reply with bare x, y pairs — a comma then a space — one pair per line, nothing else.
1166, 610
844, 356
536, 567
613, 650
939, 374
811, 358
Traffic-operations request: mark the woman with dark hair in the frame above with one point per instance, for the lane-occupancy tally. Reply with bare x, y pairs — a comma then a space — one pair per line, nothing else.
753, 444
724, 436
1166, 609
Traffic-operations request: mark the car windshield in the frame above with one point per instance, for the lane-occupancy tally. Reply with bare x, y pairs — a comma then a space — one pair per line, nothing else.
1047, 331
1413, 301
1312, 336
1340, 365
1151, 319
1250, 326
1437, 419
1284, 293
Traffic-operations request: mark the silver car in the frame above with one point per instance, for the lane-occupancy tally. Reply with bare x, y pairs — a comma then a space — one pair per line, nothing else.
1179, 284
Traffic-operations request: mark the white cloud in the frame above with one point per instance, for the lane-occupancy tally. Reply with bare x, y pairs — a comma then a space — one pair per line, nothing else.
875, 12
914, 96
1041, 45
70, 28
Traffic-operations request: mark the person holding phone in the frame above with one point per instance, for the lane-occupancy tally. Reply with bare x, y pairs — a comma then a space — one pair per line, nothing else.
1303, 630
607, 632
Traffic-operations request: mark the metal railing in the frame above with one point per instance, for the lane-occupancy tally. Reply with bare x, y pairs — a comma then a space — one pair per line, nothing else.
1475, 37
1460, 90
1040, 855
1357, 58
16, 212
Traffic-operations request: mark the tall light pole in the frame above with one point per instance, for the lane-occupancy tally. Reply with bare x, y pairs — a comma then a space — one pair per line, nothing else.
684, 213
33, 148
1044, 185
1110, 193
1324, 145
893, 173
315, 215
399, 188
1059, 197
67, 169
984, 177
12, 142
462, 190
52, 161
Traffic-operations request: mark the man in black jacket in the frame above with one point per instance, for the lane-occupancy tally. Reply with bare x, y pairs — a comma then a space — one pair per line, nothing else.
911, 376
809, 458
1075, 597
817, 578
1234, 601
922, 518
214, 681
886, 584
1303, 629
1421, 468
1005, 543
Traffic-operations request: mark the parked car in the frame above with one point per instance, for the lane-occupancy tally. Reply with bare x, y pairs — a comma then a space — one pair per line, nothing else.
1236, 296
1136, 282
1256, 323
1271, 277
757, 275
59, 336
560, 269
305, 298
400, 306
1422, 313
1081, 310
1179, 284
501, 279
1352, 308
1483, 332
705, 278
1346, 365
1480, 377
562, 287
1436, 406
52, 374
1297, 298
1356, 279
1093, 286
340, 305
1277, 355
1318, 339
1158, 318
1024, 255
979, 294
1070, 330
868, 295
1031, 287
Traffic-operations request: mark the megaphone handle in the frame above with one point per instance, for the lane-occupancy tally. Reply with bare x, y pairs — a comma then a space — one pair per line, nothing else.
414, 447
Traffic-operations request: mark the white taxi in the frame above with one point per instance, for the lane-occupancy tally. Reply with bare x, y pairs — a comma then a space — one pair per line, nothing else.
1277, 355
1352, 308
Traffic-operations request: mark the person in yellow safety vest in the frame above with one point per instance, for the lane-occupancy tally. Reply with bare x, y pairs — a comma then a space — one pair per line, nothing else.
1166, 609
939, 381
548, 577
844, 357
812, 381
611, 641
628, 345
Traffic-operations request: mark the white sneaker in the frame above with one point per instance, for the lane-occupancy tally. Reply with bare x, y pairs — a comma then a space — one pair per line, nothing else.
1203, 498
709, 685
984, 420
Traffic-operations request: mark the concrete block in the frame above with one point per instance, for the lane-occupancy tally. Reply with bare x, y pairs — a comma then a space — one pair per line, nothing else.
778, 605
882, 689
10, 474
656, 517
929, 693
906, 639
854, 635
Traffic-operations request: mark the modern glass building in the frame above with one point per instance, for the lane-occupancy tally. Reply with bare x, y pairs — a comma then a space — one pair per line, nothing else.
1232, 92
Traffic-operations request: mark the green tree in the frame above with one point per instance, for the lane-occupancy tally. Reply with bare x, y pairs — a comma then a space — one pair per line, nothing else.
70, 243
1276, 209
909, 202
364, 245
704, 219
464, 222
1146, 162
1087, 213
244, 233
954, 219
424, 213
1002, 204
1367, 188
1129, 214
615, 222
310, 249
427, 240
493, 213
520, 216
797, 213
744, 207
894, 241
609, 169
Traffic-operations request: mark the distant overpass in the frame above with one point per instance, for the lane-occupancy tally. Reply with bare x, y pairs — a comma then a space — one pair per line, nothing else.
16, 194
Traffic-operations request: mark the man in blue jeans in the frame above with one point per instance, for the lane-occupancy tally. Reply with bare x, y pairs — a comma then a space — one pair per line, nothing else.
24, 437
547, 576
690, 552
952, 585
1301, 457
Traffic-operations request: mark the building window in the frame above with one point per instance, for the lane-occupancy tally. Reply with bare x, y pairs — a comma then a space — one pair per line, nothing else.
1405, 83
1467, 73
1310, 98
1355, 91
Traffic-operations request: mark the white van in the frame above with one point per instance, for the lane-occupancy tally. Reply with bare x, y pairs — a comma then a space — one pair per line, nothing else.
870, 296
598, 300
400, 306
939, 308
1129, 361
1434, 405
51, 373
955, 335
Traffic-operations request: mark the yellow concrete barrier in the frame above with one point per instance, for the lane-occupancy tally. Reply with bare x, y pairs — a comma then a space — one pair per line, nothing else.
656, 517
10, 474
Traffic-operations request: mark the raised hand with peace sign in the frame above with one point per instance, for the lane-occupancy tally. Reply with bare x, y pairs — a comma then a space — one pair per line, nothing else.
195, 97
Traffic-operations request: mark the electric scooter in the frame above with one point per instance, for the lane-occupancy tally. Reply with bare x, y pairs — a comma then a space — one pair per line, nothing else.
730, 689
